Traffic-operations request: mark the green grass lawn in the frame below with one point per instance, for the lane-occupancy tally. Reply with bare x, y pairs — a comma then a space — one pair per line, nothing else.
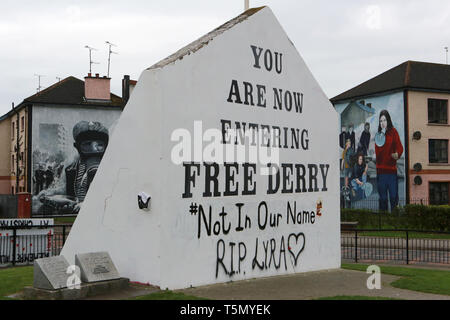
423, 280
355, 298
61, 220
13, 280
167, 295
399, 234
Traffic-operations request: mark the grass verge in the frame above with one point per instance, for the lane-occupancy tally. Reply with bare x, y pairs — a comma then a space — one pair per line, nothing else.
168, 295
422, 280
355, 298
399, 234
13, 280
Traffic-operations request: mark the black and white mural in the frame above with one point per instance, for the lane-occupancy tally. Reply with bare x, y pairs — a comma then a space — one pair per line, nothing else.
66, 156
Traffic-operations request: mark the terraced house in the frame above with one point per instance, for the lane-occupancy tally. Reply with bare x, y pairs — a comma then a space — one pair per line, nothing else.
52, 142
410, 99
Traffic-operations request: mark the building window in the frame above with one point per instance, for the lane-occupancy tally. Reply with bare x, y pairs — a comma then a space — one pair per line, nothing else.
439, 193
12, 190
438, 151
22, 123
437, 111
13, 127
13, 165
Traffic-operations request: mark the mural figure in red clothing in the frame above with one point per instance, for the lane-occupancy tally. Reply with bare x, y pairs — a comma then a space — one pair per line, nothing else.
388, 149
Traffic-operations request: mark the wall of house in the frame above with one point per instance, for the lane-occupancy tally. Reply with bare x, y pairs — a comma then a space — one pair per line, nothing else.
421, 193
418, 121
22, 121
394, 104
54, 152
5, 156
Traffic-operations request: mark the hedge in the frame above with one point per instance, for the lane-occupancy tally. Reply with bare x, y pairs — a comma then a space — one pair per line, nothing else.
411, 216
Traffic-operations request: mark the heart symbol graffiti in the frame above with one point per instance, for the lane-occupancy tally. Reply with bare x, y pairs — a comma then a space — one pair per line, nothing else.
297, 244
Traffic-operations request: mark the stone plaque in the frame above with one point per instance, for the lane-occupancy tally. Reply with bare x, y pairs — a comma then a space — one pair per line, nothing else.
96, 266
50, 273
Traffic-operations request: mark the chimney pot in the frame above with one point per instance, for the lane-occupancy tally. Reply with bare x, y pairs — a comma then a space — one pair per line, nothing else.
96, 75
89, 74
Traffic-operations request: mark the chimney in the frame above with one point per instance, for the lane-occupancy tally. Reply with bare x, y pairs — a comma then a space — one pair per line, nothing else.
127, 87
96, 88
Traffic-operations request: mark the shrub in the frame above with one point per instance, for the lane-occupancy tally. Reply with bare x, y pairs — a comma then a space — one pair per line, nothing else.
411, 216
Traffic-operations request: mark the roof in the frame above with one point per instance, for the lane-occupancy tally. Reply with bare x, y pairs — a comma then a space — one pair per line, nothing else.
365, 107
204, 40
408, 75
69, 91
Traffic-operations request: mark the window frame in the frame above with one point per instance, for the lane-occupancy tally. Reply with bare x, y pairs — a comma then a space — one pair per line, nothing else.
446, 142
432, 198
430, 100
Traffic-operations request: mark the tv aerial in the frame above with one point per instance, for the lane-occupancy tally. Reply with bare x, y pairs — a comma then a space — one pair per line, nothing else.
90, 58
39, 81
446, 55
109, 53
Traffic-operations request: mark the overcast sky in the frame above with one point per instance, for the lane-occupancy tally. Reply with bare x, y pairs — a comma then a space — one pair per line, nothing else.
343, 42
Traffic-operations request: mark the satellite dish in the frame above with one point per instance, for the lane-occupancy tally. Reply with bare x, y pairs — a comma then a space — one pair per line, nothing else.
417, 180
417, 135
380, 139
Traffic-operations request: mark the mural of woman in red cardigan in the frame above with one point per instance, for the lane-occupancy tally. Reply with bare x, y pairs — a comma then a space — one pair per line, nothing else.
388, 149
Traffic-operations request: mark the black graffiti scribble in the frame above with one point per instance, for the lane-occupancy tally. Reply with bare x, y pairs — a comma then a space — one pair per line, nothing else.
296, 236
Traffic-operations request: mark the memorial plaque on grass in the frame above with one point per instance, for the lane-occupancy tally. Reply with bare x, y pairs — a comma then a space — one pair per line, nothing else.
96, 266
50, 273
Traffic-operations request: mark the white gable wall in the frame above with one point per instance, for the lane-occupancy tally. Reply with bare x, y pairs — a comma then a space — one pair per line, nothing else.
161, 246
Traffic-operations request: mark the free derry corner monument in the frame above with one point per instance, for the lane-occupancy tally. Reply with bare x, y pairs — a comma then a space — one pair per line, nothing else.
223, 166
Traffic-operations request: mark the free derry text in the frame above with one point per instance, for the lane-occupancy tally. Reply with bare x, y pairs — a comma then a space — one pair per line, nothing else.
238, 178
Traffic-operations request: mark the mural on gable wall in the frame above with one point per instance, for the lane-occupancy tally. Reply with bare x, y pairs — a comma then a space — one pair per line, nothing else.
66, 157
372, 152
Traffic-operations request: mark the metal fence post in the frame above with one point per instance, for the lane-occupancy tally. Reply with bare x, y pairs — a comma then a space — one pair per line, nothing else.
407, 247
14, 246
64, 235
356, 246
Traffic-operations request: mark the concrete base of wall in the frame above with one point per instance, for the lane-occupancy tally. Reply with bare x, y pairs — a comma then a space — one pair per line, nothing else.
86, 290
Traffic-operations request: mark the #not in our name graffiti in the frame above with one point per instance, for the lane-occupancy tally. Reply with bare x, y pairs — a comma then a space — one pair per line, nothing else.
280, 252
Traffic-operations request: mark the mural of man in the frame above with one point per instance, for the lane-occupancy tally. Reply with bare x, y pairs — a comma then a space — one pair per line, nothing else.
39, 178
49, 176
343, 137
351, 136
364, 140
91, 139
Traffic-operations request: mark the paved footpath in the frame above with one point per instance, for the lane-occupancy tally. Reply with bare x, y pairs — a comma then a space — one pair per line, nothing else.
302, 286
305, 286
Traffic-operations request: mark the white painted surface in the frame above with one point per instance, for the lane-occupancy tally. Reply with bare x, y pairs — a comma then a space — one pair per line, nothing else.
161, 246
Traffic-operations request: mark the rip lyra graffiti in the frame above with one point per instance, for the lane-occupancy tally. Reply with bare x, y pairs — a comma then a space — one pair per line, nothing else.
267, 253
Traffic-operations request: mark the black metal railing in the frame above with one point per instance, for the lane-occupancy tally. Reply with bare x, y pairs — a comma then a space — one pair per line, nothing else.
21, 245
396, 245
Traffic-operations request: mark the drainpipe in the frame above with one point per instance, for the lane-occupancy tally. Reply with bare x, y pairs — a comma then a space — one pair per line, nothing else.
17, 148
